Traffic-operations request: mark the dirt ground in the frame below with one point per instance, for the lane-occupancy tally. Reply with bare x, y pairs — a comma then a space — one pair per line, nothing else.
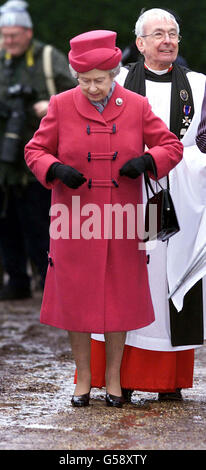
36, 384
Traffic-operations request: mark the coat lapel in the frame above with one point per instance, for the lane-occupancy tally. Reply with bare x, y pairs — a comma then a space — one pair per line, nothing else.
116, 104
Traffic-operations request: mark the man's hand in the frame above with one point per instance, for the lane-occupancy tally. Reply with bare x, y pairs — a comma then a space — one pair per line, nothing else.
41, 108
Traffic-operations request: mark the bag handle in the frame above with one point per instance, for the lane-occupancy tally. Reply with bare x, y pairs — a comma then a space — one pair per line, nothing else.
148, 182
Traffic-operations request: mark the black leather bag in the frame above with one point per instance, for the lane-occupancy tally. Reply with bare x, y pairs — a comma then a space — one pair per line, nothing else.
165, 223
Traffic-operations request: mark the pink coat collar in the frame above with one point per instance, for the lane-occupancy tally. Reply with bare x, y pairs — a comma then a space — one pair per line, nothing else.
113, 109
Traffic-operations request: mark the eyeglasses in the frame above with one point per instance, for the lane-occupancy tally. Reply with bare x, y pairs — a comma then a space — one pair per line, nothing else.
160, 35
12, 36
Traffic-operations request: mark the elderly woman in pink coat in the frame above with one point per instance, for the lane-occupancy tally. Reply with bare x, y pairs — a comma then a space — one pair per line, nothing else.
90, 151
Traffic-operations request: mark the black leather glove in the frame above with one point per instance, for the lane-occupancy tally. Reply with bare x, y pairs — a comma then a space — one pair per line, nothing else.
67, 174
136, 166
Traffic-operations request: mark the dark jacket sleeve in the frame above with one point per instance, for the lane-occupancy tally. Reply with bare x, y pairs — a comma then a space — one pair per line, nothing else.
62, 76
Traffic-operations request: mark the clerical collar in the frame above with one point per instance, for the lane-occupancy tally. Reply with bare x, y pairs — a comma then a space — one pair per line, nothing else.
100, 105
158, 72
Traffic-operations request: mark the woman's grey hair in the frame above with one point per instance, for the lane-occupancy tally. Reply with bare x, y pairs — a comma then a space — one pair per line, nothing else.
149, 14
113, 72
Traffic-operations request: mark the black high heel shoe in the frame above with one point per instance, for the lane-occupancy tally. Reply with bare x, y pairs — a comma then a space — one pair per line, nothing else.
81, 400
113, 400
127, 394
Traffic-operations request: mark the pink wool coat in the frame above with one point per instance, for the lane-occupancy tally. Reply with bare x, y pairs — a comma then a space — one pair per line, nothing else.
97, 279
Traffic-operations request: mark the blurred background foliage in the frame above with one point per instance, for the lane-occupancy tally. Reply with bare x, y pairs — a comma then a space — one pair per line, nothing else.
57, 22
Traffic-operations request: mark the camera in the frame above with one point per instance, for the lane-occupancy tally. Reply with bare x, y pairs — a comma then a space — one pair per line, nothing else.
15, 117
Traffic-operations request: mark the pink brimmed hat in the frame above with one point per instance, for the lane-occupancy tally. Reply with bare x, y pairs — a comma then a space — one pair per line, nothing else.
94, 50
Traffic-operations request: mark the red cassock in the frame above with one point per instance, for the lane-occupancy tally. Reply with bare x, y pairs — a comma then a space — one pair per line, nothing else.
144, 370
96, 281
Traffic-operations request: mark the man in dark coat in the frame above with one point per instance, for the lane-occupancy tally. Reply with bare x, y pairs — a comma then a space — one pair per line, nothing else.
25, 90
